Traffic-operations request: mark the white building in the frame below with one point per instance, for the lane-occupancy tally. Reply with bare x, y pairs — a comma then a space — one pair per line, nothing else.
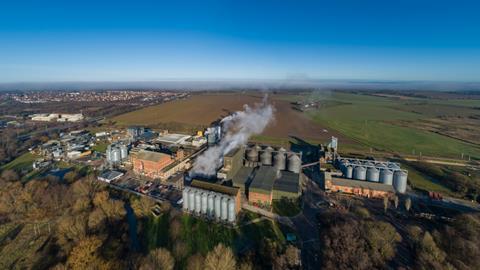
45, 117
70, 117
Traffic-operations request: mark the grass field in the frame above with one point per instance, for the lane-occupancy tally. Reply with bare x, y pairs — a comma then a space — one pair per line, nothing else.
23, 162
380, 123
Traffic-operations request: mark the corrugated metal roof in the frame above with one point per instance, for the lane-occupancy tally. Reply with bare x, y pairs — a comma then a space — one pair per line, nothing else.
151, 156
263, 179
288, 182
232, 191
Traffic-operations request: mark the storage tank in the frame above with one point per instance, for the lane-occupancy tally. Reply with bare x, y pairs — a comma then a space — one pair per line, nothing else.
231, 211
349, 172
386, 176
359, 173
252, 154
218, 203
191, 200
211, 205
198, 202
400, 181
373, 175
185, 199
123, 152
294, 163
279, 159
115, 155
224, 208
393, 166
204, 203
266, 156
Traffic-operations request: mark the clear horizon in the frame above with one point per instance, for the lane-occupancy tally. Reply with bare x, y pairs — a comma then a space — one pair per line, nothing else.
218, 40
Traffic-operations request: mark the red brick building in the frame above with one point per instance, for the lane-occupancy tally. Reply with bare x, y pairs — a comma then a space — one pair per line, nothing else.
149, 163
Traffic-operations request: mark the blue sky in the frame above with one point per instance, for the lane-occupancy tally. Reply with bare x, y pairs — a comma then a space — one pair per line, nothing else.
43, 41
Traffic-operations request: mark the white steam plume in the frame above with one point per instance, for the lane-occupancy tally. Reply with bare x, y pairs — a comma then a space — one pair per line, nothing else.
238, 128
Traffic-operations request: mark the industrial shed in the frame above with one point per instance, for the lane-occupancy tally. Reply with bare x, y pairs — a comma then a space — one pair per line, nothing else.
287, 186
243, 178
260, 190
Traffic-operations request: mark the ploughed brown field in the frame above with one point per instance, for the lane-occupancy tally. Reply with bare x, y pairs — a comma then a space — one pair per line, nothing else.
202, 110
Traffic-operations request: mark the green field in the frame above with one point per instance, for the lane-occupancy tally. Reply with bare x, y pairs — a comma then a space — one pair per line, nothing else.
379, 123
23, 162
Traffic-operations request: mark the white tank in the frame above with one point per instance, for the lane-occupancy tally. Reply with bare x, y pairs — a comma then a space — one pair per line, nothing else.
191, 200
123, 152
185, 199
360, 173
224, 207
349, 172
218, 209
373, 175
198, 202
400, 181
386, 177
231, 211
294, 163
204, 203
211, 205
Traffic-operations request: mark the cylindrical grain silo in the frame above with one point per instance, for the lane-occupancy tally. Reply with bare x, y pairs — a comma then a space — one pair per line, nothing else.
373, 175
349, 172
123, 152
185, 199
360, 173
231, 211
224, 208
266, 156
211, 205
400, 181
218, 208
386, 176
191, 200
198, 202
204, 203
252, 154
279, 160
294, 163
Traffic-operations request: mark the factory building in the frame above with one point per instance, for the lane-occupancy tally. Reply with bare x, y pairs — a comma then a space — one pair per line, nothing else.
260, 189
213, 201
149, 163
367, 178
232, 162
286, 186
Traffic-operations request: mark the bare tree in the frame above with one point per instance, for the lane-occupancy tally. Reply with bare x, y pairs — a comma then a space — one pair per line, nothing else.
395, 201
385, 204
221, 257
159, 258
408, 204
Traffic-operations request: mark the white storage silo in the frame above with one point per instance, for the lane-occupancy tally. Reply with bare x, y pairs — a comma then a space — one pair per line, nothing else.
231, 211
400, 181
204, 203
211, 205
360, 173
198, 202
224, 208
185, 199
386, 177
191, 200
349, 172
373, 175
218, 209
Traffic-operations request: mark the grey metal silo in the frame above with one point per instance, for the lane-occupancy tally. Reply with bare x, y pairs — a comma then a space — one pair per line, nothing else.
373, 175
218, 209
231, 211
185, 199
266, 156
198, 202
393, 166
224, 207
252, 154
349, 172
279, 160
400, 181
294, 163
386, 176
123, 152
191, 200
115, 154
204, 203
211, 205
359, 173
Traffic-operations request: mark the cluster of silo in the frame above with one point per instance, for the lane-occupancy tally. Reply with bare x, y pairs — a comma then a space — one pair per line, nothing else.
116, 153
388, 173
210, 204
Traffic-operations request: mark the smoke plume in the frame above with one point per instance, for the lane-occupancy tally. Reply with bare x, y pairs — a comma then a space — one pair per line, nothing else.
237, 129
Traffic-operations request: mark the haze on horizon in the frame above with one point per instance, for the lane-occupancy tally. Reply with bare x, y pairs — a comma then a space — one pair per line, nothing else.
149, 41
